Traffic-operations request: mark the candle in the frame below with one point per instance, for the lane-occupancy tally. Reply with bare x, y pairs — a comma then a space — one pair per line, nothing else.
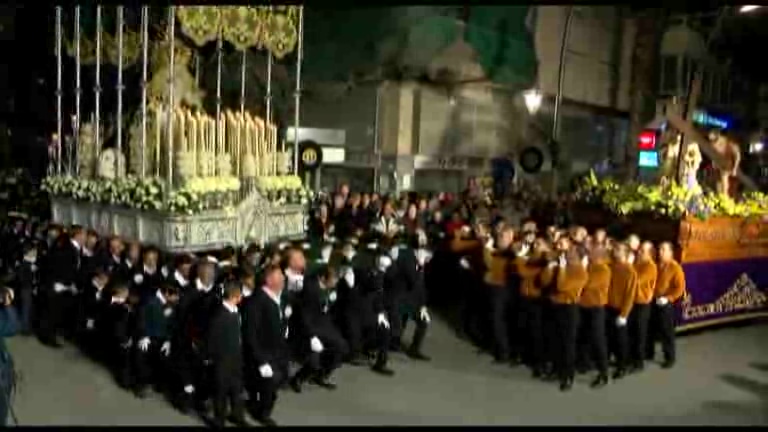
211, 146
182, 130
157, 140
224, 150
193, 143
274, 147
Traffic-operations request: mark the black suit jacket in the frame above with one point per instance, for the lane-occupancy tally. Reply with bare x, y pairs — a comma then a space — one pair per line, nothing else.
152, 321
223, 346
63, 264
264, 332
312, 311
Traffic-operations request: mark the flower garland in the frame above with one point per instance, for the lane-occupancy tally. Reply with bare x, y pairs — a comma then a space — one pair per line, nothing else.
147, 193
670, 200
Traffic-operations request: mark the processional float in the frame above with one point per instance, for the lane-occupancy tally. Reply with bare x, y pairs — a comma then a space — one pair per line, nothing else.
187, 179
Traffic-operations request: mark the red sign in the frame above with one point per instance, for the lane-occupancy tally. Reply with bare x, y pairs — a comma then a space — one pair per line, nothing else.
647, 140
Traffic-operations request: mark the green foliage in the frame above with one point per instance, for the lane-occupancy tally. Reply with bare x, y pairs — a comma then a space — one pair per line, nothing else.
401, 41
503, 43
671, 200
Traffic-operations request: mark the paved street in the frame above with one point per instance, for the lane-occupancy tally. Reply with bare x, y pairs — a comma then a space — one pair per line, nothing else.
721, 379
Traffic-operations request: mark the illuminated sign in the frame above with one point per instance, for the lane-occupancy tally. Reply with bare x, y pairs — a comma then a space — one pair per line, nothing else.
311, 155
704, 119
647, 140
648, 159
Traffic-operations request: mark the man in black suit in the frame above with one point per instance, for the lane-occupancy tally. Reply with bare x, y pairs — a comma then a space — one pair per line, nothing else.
409, 299
147, 277
112, 258
317, 333
27, 282
193, 312
93, 302
182, 273
362, 310
266, 351
227, 265
115, 334
154, 327
61, 275
225, 353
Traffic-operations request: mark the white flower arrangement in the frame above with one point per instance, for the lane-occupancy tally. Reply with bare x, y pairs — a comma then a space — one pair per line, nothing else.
278, 183
204, 185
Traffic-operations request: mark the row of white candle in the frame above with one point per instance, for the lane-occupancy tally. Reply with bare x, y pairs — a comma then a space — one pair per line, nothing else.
238, 134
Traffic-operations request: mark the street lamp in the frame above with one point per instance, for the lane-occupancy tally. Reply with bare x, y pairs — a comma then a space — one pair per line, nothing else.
748, 8
533, 98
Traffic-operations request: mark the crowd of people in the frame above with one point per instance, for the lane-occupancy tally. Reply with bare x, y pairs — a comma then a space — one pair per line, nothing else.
221, 330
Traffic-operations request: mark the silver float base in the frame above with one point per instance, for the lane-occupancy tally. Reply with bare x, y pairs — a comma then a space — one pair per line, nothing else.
253, 220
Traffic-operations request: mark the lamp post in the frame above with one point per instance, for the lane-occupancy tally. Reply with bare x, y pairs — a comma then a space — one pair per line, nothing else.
533, 100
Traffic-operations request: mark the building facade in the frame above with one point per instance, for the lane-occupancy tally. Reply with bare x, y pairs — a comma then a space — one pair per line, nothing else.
427, 137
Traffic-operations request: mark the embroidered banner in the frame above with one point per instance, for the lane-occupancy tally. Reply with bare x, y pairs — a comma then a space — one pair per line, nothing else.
722, 291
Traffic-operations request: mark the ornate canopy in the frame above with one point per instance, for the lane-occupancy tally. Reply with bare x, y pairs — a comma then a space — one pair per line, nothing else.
273, 28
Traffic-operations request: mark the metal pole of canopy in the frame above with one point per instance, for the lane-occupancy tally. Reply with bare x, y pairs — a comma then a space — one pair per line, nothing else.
144, 61
97, 83
58, 90
78, 92
268, 96
297, 93
119, 143
219, 53
172, 45
268, 119
555, 144
242, 82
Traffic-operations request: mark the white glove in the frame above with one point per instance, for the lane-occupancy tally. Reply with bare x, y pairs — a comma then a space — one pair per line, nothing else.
585, 262
562, 262
489, 244
127, 343
89, 324
349, 278
383, 321
265, 370
523, 250
167, 312
662, 301
316, 345
384, 263
166, 348
138, 278
332, 296
59, 288
394, 253
621, 322
424, 314
288, 311
189, 389
144, 344
464, 263
552, 264
325, 254
422, 256
164, 271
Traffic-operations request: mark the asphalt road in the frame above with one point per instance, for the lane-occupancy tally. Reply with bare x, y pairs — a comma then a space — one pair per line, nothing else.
721, 379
